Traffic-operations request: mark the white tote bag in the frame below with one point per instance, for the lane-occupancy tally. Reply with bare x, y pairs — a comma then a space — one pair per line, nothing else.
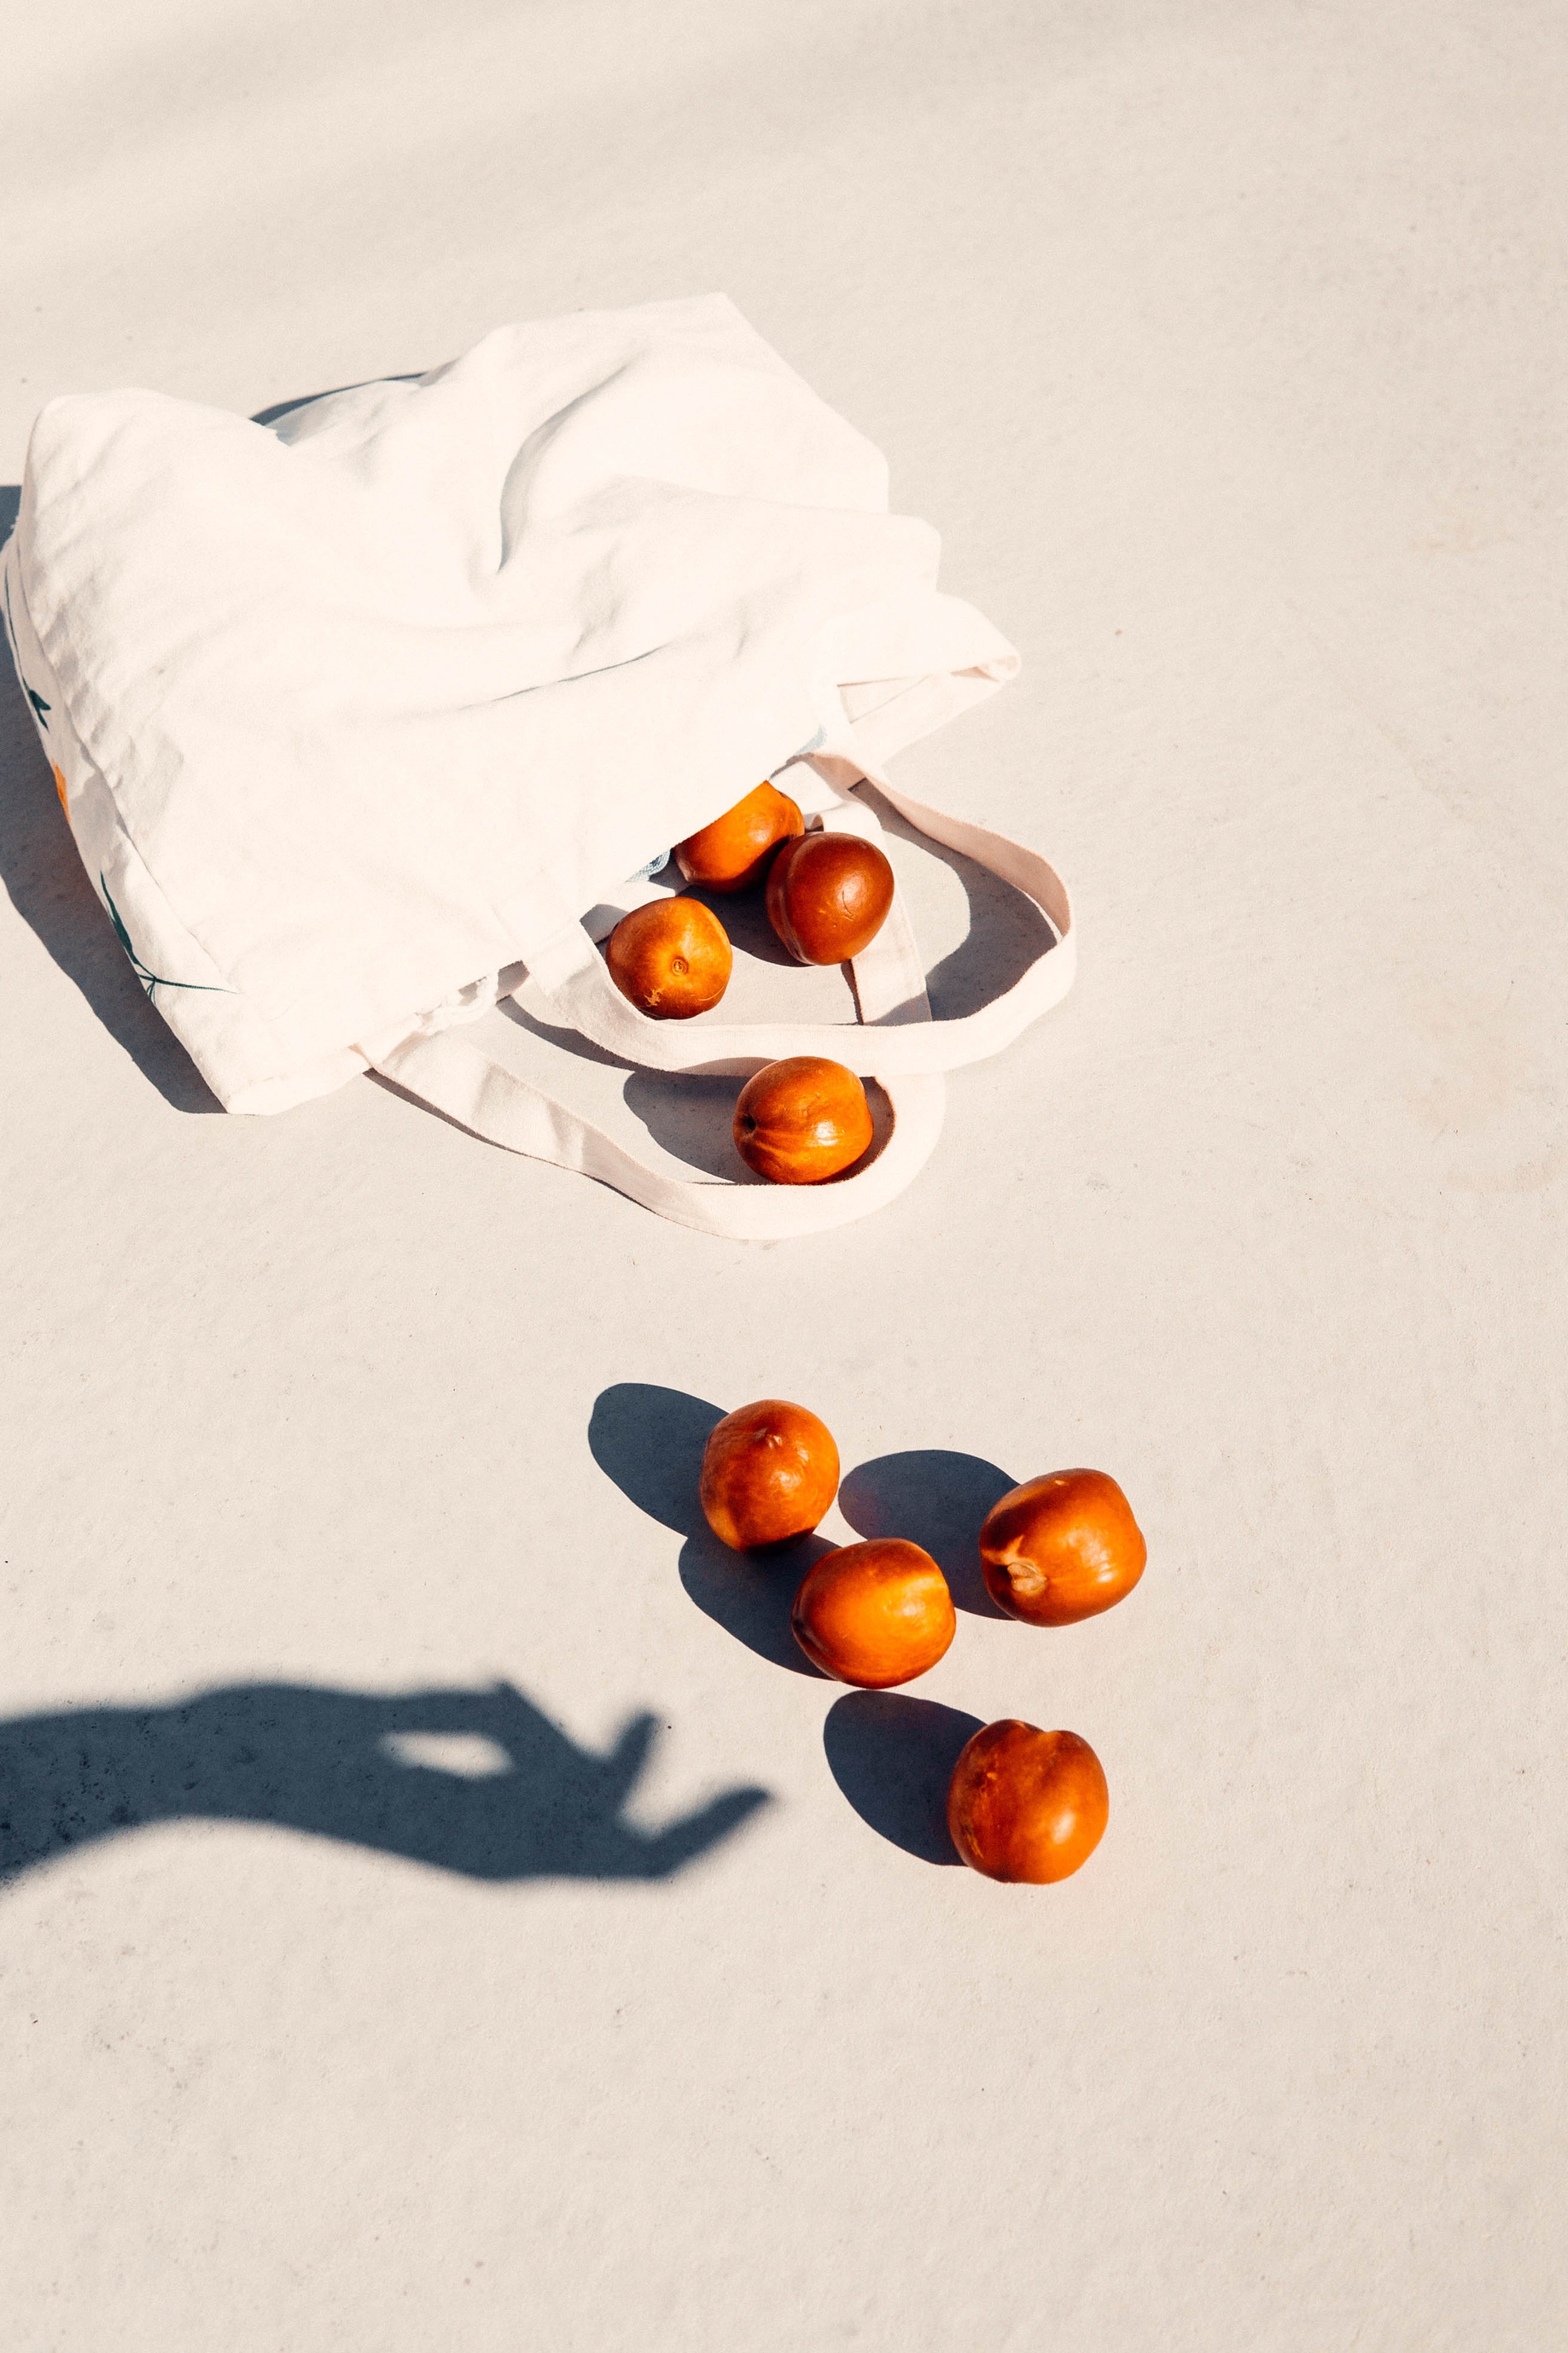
353, 714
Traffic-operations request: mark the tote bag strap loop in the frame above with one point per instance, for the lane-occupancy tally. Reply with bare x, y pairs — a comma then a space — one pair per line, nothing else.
900, 1040
483, 1095
895, 1041
456, 1078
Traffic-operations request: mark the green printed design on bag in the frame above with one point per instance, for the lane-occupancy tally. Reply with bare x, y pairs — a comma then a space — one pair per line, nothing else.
151, 980
40, 708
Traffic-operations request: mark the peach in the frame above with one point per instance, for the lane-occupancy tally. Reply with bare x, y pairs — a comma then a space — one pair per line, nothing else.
1026, 1805
672, 958
802, 1120
874, 1614
769, 1472
829, 896
733, 853
1062, 1548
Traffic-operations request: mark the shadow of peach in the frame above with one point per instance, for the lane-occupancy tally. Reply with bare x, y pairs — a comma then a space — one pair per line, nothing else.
892, 1757
934, 1497
650, 1440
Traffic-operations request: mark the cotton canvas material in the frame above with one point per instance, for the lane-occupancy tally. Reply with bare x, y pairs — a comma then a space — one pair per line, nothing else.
349, 712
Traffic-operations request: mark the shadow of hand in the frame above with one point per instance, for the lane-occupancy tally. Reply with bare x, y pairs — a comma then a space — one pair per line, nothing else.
479, 1782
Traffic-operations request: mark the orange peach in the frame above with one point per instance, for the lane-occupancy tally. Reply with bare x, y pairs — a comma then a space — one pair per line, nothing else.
1062, 1548
875, 1614
769, 1472
1025, 1804
802, 1120
829, 896
733, 853
672, 958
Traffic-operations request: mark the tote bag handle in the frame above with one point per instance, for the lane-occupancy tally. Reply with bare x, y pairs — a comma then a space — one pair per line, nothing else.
895, 1041
891, 1042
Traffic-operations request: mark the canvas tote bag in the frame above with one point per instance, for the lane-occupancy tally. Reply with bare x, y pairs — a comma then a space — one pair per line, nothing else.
355, 714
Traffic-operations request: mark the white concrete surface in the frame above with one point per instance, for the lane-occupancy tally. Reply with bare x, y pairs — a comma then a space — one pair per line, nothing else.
1225, 345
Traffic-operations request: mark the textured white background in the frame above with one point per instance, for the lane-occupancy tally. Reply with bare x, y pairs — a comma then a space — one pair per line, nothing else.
1226, 345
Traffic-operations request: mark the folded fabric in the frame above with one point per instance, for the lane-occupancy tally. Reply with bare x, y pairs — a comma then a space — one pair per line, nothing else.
351, 710
352, 713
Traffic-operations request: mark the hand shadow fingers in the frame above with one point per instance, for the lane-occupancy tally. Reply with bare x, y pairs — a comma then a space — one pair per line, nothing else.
669, 1851
622, 1768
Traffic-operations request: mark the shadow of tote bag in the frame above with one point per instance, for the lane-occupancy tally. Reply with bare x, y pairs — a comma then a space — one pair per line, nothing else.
354, 714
